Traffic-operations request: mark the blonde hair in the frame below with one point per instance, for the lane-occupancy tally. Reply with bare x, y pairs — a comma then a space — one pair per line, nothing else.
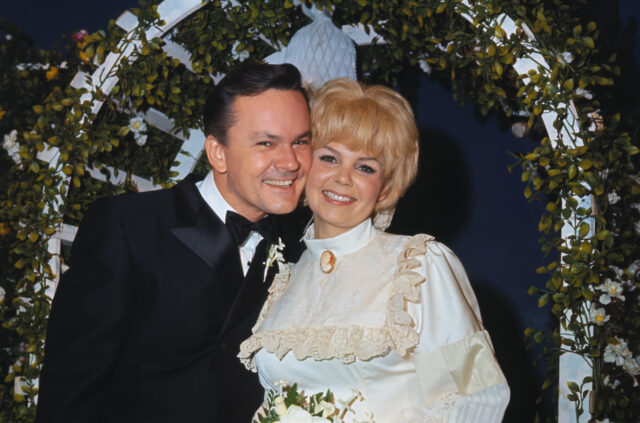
372, 118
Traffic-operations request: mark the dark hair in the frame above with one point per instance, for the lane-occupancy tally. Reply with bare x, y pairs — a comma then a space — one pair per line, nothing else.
245, 80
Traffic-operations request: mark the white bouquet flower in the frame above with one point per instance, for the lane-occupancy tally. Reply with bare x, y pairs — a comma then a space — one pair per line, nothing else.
292, 406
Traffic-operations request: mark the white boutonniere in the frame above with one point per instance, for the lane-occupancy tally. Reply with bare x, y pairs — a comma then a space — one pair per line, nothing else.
274, 256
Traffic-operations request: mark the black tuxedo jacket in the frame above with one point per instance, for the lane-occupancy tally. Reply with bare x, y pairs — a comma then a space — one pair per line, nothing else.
146, 324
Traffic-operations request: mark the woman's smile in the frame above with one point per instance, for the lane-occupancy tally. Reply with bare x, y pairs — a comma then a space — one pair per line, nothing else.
338, 199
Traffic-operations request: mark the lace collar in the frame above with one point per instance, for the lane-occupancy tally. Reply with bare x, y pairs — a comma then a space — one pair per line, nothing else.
343, 244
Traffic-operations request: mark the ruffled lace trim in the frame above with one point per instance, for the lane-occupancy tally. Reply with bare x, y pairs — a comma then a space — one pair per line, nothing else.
347, 342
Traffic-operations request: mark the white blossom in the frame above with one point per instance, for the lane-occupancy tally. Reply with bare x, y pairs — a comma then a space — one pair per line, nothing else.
636, 226
8, 37
604, 299
12, 146
10, 140
612, 290
617, 352
598, 315
613, 197
619, 272
297, 414
239, 55
612, 385
584, 93
137, 125
632, 365
141, 139
566, 57
634, 267
327, 408
2, 294
425, 66
280, 406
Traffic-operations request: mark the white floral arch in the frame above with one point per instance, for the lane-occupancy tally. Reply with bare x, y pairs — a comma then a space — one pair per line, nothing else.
173, 12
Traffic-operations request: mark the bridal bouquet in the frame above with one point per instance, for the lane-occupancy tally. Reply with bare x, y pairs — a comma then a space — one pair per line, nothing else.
292, 406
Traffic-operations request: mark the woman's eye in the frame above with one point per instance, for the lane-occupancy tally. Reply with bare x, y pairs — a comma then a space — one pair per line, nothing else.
327, 158
367, 169
264, 143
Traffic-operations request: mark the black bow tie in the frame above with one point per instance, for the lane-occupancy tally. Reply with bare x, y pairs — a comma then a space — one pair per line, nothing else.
240, 227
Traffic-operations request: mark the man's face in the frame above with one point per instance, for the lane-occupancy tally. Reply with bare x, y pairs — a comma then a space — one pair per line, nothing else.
263, 166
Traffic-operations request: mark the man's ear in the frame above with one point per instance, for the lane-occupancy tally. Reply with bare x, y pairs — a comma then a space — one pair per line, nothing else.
216, 154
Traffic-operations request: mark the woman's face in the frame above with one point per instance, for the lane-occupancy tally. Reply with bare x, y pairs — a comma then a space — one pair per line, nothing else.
342, 188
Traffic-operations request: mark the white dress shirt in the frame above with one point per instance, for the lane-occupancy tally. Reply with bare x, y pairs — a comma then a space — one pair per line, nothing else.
220, 207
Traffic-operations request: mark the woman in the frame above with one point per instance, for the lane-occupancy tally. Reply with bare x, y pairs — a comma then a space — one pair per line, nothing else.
393, 317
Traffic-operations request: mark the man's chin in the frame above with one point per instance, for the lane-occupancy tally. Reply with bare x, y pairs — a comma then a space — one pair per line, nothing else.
281, 201
282, 207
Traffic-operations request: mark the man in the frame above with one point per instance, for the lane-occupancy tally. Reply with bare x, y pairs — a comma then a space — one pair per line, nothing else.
146, 323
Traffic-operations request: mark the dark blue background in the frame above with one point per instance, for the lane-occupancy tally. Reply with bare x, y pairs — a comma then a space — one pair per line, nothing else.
464, 194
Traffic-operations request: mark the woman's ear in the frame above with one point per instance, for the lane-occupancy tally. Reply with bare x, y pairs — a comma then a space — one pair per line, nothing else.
216, 154
385, 191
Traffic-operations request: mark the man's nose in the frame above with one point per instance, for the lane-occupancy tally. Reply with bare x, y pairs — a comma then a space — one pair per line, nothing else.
287, 159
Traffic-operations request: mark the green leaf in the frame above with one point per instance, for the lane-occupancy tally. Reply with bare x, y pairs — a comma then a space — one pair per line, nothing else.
568, 85
577, 30
583, 230
585, 164
543, 300
587, 293
573, 387
527, 192
589, 42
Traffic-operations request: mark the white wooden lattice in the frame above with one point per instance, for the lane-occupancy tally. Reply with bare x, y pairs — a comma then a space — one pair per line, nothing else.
174, 11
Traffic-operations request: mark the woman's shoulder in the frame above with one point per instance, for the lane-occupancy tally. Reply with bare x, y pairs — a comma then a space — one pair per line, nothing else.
412, 243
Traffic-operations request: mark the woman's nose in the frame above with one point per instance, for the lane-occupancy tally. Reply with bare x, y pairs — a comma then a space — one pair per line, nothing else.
343, 176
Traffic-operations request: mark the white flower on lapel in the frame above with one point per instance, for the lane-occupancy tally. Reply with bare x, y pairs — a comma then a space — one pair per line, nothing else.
274, 256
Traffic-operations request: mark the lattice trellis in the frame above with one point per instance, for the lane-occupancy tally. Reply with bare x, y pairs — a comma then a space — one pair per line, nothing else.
174, 11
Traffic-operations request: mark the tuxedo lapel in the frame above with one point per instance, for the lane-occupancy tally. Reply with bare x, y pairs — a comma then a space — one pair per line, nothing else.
203, 232
253, 291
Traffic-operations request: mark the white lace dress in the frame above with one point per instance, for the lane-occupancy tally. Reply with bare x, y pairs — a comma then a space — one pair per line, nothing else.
396, 320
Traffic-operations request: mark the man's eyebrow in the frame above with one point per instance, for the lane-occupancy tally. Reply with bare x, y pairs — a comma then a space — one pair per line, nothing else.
306, 134
266, 135
270, 136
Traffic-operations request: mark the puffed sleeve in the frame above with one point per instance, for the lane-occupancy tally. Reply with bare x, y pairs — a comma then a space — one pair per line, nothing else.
460, 379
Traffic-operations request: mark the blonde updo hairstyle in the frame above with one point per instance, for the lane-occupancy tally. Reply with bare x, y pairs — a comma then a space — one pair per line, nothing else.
372, 118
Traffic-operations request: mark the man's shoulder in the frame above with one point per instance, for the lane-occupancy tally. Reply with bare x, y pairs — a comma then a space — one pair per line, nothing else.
147, 204
133, 201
